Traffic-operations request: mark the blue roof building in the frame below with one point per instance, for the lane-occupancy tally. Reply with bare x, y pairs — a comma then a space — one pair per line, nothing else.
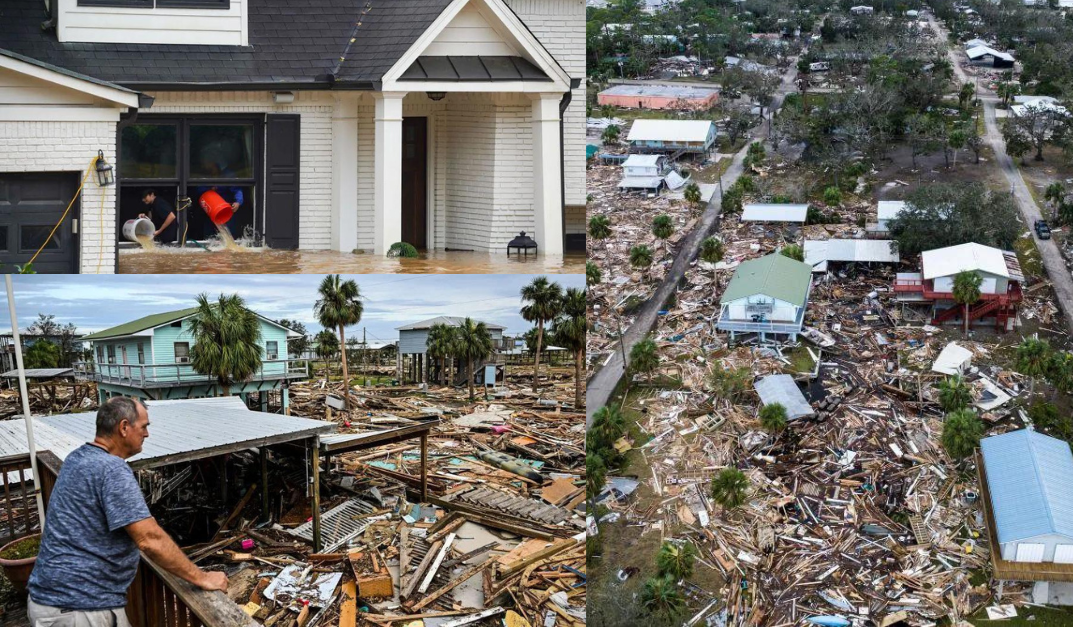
1030, 481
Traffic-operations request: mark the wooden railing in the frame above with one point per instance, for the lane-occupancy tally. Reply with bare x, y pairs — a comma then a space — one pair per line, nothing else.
926, 288
19, 516
156, 598
174, 374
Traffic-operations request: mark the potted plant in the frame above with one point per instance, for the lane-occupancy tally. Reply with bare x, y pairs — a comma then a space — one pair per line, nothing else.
17, 560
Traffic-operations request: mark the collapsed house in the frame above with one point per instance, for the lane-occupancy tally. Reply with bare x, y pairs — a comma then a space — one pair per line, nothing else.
989, 57
767, 296
645, 173
824, 254
933, 287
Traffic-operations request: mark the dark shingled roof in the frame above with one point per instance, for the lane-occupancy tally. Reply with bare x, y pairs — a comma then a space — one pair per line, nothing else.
291, 43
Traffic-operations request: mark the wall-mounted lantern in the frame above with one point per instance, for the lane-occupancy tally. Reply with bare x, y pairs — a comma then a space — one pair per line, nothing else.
105, 175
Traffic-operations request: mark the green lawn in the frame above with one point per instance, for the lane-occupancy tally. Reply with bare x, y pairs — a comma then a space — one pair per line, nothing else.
1028, 617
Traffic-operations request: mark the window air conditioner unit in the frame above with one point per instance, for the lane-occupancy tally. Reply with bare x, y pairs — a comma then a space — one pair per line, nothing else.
182, 360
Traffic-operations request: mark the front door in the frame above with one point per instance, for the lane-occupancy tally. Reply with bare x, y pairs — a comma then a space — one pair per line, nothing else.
414, 182
30, 206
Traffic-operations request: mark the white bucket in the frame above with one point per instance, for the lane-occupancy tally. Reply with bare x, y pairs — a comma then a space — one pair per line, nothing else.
133, 229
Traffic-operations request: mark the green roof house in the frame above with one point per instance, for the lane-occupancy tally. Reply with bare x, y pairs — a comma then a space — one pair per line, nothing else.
767, 296
149, 358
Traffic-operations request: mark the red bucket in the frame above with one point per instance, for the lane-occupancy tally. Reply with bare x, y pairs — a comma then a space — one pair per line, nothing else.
219, 210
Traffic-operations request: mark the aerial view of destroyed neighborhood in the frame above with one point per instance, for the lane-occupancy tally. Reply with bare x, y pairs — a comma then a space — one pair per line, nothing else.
829, 367
365, 450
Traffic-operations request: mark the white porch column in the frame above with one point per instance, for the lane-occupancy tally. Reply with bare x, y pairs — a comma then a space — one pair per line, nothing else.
547, 174
345, 171
387, 189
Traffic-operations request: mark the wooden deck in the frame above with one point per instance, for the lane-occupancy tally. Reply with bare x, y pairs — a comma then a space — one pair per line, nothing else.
1014, 571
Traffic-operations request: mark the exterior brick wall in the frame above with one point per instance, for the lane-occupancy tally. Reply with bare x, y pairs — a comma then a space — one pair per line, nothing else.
315, 192
70, 147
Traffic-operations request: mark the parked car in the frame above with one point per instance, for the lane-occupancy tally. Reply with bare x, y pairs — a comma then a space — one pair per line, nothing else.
1042, 230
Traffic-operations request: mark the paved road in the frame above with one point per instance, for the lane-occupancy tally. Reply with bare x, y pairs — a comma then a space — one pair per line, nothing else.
599, 389
1053, 262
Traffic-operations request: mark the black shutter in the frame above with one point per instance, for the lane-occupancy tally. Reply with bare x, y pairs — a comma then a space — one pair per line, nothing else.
283, 133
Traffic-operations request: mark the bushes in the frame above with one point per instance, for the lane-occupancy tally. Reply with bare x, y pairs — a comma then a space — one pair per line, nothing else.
832, 197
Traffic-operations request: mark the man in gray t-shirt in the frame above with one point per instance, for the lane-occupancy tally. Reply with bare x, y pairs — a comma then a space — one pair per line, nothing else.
97, 521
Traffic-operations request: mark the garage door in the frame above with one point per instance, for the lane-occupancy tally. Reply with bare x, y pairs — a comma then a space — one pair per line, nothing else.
1029, 552
30, 205
1063, 554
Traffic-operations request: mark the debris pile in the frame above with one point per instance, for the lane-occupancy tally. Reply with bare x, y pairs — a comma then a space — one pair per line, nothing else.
498, 537
857, 512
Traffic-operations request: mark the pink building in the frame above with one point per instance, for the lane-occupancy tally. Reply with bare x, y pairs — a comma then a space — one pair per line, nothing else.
658, 97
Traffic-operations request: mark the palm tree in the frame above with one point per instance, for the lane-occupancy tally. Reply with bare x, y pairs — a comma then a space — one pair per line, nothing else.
595, 475
227, 340
542, 302
954, 394
730, 488
643, 358
662, 226
473, 342
592, 274
676, 560
608, 425
1060, 372
610, 134
569, 331
599, 227
1033, 357
339, 307
326, 344
692, 195
793, 251
967, 291
441, 344
660, 597
773, 417
712, 251
1055, 194
641, 257
962, 431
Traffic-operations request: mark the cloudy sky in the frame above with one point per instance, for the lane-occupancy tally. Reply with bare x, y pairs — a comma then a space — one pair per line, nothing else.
98, 302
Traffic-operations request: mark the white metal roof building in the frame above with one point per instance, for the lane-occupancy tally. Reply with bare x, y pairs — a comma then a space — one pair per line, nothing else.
643, 161
945, 262
1029, 481
774, 212
977, 53
671, 130
179, 430
818, 253
781, 389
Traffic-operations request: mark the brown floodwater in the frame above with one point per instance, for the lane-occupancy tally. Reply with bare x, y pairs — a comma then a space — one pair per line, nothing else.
163, 260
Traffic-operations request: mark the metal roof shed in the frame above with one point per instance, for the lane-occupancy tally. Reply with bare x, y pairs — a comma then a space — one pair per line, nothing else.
819, 252
670, 130
782, 389
776, 212
1028, 479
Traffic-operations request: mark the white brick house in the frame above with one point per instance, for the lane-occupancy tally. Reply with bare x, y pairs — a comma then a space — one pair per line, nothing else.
341, 125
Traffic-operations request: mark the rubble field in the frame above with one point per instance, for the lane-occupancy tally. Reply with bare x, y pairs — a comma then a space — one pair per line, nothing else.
857, 511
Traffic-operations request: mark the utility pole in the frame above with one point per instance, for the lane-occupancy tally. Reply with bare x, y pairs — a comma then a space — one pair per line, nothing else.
364, 361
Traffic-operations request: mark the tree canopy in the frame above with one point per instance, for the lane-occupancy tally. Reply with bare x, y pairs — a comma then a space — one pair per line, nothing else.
942, 214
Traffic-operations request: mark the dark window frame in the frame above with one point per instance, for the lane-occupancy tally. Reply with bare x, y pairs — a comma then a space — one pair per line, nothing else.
141, 353
137, 4
175, 351
110, 350
194, 4
159, 4
271, 354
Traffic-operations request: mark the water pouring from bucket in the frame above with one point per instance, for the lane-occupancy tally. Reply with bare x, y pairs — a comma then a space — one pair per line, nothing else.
140, 230
219, 211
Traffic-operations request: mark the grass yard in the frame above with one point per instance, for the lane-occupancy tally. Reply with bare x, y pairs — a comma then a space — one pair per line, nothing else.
1029, 616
